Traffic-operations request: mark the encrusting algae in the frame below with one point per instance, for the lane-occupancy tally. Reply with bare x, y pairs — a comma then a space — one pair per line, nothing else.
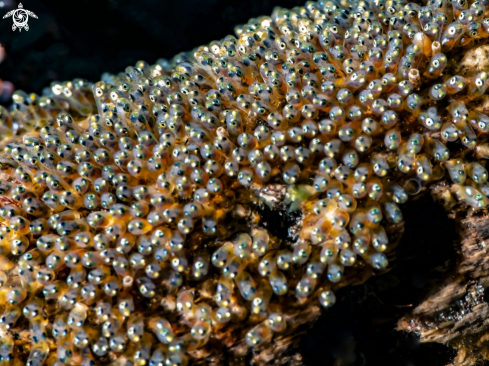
128, 236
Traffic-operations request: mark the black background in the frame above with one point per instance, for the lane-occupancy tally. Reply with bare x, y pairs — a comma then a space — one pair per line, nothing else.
84, 38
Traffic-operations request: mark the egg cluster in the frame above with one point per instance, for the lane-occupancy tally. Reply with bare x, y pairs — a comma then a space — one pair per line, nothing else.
125, 195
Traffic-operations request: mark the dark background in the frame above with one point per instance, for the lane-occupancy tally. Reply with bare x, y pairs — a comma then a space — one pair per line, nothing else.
84, 38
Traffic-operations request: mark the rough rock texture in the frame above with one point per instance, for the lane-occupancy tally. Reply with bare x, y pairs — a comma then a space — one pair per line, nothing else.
457, 313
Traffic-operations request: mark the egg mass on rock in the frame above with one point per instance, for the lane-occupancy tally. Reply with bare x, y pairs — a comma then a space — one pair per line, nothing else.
127, 228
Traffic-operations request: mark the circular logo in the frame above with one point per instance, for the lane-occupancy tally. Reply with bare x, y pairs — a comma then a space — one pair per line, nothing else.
20, 17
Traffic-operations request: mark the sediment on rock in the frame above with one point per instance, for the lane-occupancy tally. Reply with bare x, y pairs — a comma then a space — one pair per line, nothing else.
457, 312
